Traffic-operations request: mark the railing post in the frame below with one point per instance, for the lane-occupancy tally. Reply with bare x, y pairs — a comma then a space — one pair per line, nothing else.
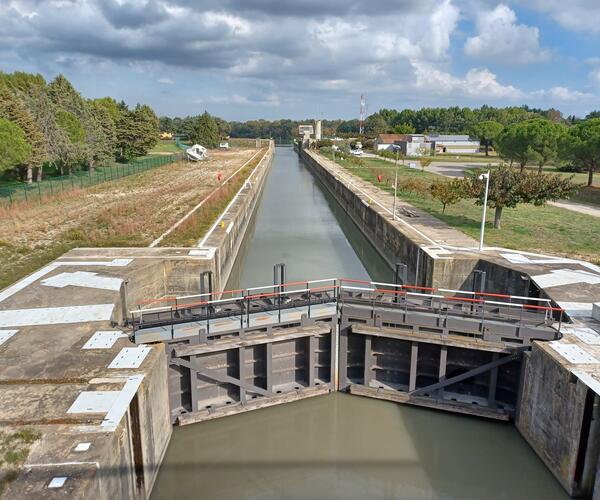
483, 318
172, 327
559, 323
242, 311
248, 312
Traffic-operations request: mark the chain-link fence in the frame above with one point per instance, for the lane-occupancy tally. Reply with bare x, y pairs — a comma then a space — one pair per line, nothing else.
80, 179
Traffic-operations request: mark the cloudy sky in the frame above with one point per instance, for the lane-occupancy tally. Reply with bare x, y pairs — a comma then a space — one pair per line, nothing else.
243, 59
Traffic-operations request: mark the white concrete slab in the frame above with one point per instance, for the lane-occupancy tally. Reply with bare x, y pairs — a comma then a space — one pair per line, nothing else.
93, 402
56, 315
130, 357
586, 335
57, 482
205, 252
518, 258
28, 280
565, 277
573, 353
6, 334
103, 339
577, 309
119, 407
84, 279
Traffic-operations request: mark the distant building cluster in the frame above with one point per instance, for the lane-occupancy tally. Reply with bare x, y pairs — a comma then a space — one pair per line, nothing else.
308, 132
422, 144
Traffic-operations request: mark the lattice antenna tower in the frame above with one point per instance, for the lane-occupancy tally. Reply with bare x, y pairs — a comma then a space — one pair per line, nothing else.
363, 114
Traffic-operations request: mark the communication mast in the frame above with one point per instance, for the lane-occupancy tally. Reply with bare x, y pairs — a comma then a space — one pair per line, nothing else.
363, 113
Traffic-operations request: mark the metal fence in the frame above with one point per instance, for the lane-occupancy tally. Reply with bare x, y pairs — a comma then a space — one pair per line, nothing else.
81, 179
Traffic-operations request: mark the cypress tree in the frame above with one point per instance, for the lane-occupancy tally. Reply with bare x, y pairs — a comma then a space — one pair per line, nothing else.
12, 108
205, 131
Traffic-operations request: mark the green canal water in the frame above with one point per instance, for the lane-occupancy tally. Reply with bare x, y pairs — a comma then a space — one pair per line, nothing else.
339, 446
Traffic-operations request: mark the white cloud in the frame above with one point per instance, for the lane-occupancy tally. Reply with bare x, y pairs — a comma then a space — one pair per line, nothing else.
577, 15
442, 24
235, 24
595, 76
500, 38
166, 81
477, 83
240, 100
562, 94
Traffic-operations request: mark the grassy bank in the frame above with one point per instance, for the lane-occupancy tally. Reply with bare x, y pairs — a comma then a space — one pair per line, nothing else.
195, 227
131, 211
545, 229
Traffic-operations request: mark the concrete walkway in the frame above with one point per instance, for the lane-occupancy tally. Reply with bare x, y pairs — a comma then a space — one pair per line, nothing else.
577, 207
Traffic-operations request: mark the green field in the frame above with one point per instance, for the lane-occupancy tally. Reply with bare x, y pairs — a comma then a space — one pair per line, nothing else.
164, 147
545, 229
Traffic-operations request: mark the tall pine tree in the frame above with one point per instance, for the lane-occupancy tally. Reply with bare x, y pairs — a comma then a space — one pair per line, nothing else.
13, 109
205, 131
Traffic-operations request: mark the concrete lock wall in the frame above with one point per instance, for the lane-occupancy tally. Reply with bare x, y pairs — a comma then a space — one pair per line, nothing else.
554, 416
228, 240
394, 245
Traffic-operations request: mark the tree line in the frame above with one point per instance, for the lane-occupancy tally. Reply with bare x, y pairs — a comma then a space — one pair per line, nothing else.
541, 141
50, 126
453, 120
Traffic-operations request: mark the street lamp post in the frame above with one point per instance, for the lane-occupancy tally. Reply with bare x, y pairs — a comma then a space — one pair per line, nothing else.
395, 185
485, 176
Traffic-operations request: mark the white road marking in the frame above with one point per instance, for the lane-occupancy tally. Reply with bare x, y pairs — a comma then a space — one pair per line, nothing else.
56, 315
28, 280
84, 279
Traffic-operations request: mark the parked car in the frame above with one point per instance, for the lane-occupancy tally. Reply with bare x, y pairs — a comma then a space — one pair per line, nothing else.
224, 145
356, 152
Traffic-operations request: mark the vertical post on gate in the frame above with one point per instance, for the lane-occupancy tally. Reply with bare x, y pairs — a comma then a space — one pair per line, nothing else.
478, 285
400, 277
206, 286
278, 288
478, 281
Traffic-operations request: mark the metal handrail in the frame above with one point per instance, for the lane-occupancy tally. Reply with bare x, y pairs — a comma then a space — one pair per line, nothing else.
421, 296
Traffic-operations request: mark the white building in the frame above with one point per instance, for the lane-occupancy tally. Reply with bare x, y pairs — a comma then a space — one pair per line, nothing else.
453, 144
386, 141
407, 144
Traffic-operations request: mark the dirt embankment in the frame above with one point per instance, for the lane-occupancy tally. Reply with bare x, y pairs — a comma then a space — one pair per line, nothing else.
131, 211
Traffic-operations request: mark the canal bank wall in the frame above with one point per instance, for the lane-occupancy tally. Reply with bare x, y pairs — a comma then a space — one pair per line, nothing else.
396, 243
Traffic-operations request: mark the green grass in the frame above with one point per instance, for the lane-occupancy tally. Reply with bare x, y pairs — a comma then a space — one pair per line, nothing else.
190, 231
14, 450
164, 146
544, 229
